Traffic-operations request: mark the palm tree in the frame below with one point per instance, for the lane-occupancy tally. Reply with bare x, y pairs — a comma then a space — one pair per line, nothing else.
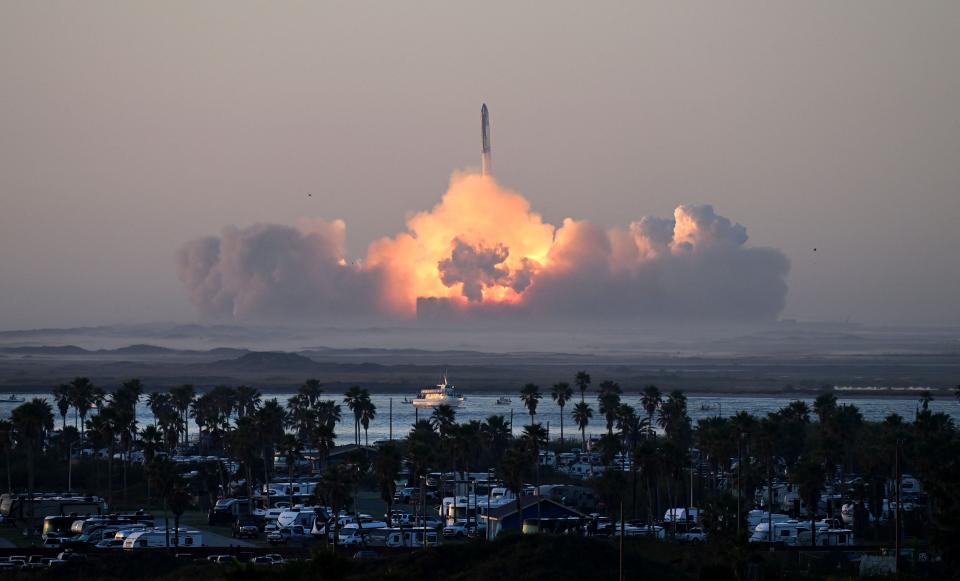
651, 401
61, 395
6, 445
82, 395
323, 438
31, 423
387, 466
106, 425
333, 490
583, 382
925, 398
530, 395
163, 474
609, 401
248, 400
442, 419
181, 397
581, 416
495, 431
368, 411
300, 415
291, 449
561, 394
158, 401
328, 412
808, 476
311, 390
270, 420
242, 443
824, 406
354, 400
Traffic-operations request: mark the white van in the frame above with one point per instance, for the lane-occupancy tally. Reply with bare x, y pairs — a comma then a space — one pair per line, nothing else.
155, 539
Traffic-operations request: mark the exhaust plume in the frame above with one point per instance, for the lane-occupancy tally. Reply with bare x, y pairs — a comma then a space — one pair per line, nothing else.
482, 251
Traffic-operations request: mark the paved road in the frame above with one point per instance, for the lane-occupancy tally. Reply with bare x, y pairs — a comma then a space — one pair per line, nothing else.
212, 539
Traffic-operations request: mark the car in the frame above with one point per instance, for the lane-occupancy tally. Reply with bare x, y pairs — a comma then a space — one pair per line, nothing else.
245, 527
71, 556
109, 544
262, 560
693, 536
277, 558
224, 559
52, 543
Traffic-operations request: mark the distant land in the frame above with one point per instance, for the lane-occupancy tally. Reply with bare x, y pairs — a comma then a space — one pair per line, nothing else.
776, 359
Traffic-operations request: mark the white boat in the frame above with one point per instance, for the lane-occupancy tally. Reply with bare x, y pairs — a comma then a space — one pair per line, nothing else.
441, 394
12, 398
504, 400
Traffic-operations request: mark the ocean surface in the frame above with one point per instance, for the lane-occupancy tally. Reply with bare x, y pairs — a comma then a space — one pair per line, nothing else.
479, 407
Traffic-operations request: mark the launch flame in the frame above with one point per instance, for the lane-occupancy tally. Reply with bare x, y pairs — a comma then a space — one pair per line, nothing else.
482, 250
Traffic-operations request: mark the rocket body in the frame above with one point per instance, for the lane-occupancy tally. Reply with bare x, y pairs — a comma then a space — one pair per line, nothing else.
486, 165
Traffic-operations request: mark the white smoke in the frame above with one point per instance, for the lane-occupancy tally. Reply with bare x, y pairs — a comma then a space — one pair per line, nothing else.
695, 266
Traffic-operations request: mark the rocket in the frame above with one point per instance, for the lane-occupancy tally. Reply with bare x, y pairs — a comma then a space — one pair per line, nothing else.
486, 166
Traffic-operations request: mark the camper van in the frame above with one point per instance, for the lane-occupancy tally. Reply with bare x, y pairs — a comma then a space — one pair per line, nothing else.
413, 537
755, 517
298, 515
157, 538
786, 532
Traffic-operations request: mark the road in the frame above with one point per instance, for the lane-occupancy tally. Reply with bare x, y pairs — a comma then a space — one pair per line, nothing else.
212, 539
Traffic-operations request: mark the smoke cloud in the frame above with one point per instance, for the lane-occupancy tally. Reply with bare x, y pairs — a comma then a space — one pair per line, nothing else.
482, 251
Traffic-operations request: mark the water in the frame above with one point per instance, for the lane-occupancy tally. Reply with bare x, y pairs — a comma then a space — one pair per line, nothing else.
481, 406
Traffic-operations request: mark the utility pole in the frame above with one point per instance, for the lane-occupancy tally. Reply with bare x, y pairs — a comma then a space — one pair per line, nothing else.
391, 418
622, 534
897, 535
739, 480
489, 491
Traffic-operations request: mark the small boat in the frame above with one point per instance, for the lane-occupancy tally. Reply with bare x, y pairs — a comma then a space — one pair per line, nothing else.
504, 400
12, 398
441, 394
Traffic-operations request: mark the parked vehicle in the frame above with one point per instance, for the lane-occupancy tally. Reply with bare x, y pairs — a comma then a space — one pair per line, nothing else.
414, 538
693, 536
157, 538
286, 534
786, 532
245, 527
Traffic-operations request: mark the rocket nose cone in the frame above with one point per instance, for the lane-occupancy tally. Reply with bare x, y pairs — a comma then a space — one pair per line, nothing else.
483, 109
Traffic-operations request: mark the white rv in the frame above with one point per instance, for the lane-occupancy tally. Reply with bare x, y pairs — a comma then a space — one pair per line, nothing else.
786, 532
157, 538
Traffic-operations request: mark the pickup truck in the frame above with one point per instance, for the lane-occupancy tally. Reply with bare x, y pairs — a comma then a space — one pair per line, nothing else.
245, 526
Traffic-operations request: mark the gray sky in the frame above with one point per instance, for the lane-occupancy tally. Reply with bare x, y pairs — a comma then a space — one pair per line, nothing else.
127, 128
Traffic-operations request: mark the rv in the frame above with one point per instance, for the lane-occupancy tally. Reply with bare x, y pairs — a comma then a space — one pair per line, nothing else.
157, 538
226, 510
755, 517
18, 506
298, 515
412, 537
786, 532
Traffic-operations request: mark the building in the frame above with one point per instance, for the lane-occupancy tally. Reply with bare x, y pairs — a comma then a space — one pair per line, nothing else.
508, 518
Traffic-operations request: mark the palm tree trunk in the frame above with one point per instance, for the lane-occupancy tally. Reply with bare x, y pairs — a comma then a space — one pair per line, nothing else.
9, 484
166, 522
561, 428
30, 483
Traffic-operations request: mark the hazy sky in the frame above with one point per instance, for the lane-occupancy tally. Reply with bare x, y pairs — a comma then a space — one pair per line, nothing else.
127, 128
